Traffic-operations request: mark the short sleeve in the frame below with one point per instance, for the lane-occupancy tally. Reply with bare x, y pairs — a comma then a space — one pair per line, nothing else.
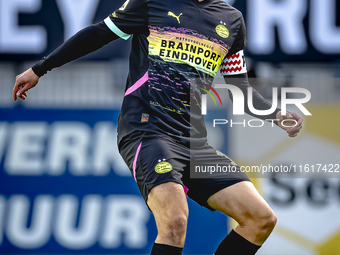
131, 18
235, 61
241, 39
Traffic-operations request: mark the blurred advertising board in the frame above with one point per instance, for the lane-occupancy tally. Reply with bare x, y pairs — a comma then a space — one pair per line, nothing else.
307, 200
278, 31
65, 189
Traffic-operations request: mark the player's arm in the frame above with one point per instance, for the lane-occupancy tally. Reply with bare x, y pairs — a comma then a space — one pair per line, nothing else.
235, 72
82, 43
129, 19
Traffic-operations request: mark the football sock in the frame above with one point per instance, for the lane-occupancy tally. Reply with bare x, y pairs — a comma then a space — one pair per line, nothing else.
163, 249
234, 244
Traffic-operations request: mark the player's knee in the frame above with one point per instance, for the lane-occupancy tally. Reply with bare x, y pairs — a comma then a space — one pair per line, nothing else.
174, 229
267, 222
262, 223
178, 224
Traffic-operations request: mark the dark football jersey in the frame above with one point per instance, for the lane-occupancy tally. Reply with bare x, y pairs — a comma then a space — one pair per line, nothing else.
178, 47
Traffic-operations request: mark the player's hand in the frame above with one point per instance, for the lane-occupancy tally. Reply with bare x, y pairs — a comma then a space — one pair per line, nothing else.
289, 125
24, 82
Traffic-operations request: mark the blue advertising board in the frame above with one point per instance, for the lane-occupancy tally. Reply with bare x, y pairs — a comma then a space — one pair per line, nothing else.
65, 189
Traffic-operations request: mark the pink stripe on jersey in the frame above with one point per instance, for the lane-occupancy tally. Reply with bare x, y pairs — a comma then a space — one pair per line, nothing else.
185, 189
135, 161
138, 84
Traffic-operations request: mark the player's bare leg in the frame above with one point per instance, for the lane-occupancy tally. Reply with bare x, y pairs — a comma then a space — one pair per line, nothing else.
170, 208
242, 202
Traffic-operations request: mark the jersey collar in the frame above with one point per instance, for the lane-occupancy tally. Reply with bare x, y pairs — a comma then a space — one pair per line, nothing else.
202, 3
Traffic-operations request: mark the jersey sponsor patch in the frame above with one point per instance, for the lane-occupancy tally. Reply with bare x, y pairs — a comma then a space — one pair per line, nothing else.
234, 64
185, 46
145, 117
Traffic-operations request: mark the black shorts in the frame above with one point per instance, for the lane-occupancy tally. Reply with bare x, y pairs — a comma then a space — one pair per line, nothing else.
155, 158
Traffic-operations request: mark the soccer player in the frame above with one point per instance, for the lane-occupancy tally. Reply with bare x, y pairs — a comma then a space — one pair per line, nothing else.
177, 48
